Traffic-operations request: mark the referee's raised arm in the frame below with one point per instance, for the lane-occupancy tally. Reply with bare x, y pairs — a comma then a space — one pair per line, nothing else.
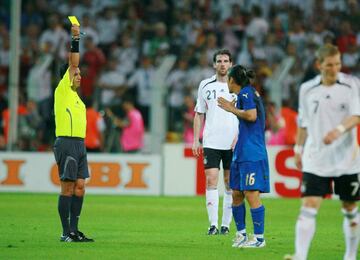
74, 57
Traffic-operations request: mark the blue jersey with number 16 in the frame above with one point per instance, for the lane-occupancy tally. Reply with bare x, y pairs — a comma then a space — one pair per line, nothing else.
250, 146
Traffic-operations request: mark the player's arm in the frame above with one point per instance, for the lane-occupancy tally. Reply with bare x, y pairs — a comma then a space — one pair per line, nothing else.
74, 57
198, 119
248, 115
301, 136
346, 125
301, 133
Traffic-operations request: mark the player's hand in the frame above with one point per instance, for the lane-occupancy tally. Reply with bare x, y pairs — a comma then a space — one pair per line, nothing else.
225, 104
331, 136
75, 30
196, 148
298, 161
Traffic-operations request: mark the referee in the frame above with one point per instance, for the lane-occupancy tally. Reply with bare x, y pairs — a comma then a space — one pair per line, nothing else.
69, 147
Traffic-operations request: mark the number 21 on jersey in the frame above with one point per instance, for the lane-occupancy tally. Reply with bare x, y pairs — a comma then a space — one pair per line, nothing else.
210, 94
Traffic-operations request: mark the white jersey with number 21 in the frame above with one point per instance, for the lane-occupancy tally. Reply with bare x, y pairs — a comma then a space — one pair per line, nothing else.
221, 127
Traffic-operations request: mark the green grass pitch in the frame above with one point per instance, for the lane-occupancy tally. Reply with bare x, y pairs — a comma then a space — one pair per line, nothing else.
134, 227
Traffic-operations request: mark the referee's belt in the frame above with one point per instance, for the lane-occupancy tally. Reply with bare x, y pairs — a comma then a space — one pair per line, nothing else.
75, 138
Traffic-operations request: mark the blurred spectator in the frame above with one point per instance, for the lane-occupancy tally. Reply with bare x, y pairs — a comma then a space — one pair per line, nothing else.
276, 126
290, 118
346, 36
126, 55
297, 35
108, 26
210, 46
39, 81
235, 22
56, 35
177, 82
317, 33
22, 110
258, 27
272, 51
157, 11
200, 71
31, 128
2, 143
188, 118
132, 136
94, 59
249, 53
350, 58
160, 38
31, 15
111, 84
141, 81
89, 30
133, 24
5, 53
95, 128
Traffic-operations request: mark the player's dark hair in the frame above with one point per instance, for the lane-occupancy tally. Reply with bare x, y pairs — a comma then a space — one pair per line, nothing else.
129, 98
63, 69
241, 75
222, 52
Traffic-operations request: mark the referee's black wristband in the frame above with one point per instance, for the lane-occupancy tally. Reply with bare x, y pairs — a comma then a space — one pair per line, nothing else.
75, 44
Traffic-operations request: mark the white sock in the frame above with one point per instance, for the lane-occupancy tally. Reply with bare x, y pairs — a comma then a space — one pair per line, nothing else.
351, 232
212, 205
304, 231
227, 209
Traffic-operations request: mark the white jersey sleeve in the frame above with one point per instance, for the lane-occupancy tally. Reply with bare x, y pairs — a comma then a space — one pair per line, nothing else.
303, 113
200, 102
355, 104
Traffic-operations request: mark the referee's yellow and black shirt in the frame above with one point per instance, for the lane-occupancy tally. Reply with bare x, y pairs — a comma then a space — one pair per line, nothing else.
70, 111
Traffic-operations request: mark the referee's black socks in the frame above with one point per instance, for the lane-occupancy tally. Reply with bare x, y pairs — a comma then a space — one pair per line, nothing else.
64, 210
75, 210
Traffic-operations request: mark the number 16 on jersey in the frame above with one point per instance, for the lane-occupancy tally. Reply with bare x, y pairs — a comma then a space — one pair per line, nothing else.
250, 179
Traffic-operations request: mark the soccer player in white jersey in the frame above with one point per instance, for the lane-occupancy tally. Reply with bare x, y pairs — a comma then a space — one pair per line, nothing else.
327, 151
219, 138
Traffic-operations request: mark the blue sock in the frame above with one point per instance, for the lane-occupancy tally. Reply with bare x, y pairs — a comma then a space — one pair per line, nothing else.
258, 218
239, 213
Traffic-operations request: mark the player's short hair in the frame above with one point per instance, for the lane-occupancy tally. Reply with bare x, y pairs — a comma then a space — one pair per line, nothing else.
63, 69
222, 52
327, 50
241, 75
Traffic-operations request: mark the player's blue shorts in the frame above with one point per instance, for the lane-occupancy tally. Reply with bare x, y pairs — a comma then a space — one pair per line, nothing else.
250, 176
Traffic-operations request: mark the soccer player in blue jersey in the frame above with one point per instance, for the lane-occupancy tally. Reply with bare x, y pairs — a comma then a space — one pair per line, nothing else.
249, 173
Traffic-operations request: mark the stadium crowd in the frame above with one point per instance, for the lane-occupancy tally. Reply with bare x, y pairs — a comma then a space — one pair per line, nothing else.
126, 40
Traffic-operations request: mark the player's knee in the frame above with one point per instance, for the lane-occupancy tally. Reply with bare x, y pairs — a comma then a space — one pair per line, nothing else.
67, 188
211, 181
79, 189
312, 202
349, 205
253, 197
238, 198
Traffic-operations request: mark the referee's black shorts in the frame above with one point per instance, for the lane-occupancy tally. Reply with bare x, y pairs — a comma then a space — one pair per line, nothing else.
70, 156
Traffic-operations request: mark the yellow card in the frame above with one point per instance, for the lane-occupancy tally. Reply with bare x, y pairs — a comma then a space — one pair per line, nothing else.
74, 20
